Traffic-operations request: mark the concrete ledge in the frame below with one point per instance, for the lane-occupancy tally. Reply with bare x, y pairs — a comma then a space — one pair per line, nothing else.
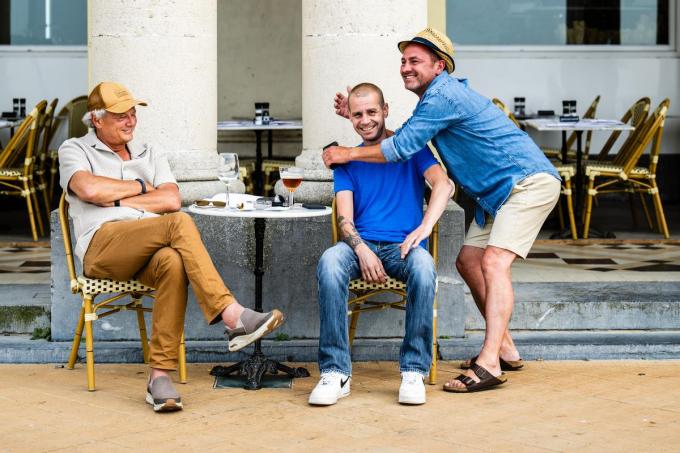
546, 345
590, 305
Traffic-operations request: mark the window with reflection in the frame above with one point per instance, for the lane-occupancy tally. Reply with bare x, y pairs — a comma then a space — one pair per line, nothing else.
559, 22
43, 22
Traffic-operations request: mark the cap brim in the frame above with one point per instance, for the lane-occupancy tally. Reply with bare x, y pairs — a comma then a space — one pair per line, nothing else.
124, 106
448, 59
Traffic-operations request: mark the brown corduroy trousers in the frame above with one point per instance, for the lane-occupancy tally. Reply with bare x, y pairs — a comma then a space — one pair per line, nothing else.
165, 253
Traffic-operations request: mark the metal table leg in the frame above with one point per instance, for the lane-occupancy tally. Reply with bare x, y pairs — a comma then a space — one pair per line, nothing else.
258, 364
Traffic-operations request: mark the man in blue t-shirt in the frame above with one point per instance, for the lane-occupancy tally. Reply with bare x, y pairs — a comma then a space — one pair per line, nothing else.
383, 231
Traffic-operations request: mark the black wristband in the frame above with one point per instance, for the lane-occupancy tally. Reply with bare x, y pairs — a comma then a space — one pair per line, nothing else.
141, 181
116, 203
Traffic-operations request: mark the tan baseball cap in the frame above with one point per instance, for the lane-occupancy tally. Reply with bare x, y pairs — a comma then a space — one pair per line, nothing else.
436, 41
112, 97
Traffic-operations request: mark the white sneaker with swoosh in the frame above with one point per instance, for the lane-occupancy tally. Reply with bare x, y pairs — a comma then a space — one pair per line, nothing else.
331, 387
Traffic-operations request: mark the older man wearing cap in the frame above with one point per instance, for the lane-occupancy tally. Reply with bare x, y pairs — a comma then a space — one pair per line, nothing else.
512, 183
117, 191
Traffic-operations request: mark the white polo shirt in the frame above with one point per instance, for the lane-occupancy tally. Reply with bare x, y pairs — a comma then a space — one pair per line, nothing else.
89, 154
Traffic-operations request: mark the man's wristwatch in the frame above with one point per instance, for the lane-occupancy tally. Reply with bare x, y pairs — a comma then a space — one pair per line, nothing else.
141, 181
117, 203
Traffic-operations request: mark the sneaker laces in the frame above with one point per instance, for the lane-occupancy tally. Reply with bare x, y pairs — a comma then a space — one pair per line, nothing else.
411, 377
328, 378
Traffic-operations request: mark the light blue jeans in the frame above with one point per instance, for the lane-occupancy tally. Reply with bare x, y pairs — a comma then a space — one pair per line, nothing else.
338, 265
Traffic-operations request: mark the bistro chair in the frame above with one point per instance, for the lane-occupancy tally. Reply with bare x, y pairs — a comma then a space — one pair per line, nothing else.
501, 105
89, 289
16, 166
636, 115
364, 291
71, 114
571, 139
42, 150
625, 176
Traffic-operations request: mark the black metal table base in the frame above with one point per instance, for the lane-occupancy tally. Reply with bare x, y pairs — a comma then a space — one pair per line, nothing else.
256, 366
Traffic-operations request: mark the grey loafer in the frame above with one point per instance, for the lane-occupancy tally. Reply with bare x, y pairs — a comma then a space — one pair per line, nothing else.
161, 394
251, 327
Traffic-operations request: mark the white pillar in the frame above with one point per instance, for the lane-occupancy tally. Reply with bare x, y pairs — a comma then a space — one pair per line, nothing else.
346, 43
165, 52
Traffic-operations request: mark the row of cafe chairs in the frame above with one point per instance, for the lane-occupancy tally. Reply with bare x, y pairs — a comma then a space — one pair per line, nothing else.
18, 167
620, 172
28, 164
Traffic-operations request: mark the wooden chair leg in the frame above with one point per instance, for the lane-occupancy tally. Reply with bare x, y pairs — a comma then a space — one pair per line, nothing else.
433, 367
645, 209
142, 331
353, 327
589, 207
660, 217
182, 361
36, 212
89, 341
46, 199
31, 219
76, 340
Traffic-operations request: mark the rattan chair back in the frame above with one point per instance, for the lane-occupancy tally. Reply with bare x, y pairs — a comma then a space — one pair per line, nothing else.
650, 132
636, 116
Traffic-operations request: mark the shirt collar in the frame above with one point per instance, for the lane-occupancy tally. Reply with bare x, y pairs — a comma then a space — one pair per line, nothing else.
92, 140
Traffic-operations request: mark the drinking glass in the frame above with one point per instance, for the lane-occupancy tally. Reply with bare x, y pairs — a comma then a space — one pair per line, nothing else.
292, 178
227, 170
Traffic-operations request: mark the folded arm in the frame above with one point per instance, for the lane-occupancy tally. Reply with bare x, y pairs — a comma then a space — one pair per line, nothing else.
442, 189
104, 191
372, 269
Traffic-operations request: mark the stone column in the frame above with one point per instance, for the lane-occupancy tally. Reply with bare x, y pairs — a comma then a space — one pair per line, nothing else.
346, 43
165, 52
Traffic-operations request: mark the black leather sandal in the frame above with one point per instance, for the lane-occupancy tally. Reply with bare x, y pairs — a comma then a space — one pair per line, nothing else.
506, 365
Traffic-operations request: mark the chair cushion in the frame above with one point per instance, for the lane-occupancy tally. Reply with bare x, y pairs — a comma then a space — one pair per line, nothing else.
94, 286
391, 283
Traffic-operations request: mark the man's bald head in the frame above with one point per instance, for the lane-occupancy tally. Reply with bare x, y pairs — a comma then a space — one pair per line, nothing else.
365, 89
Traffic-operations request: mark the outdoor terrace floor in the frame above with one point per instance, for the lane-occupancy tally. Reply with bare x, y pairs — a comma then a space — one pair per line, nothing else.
550, 406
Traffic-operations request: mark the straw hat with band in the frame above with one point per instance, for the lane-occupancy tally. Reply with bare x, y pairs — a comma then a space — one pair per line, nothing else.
436, 41
112, 97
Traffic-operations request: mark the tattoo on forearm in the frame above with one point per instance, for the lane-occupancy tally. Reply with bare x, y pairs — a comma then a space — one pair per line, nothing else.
348, 232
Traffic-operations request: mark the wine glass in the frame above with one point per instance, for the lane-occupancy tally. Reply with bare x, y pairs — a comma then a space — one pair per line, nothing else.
292, 178
227, 170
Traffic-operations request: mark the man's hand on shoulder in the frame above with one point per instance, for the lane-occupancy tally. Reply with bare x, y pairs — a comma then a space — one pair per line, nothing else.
340, 103
372, 269
335, 155
414, 239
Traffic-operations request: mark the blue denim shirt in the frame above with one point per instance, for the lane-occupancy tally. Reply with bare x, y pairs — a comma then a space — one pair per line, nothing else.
483, 151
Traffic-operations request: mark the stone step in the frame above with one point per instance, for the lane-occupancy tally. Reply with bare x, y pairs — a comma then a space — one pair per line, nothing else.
24, 308
589, 305
533, 345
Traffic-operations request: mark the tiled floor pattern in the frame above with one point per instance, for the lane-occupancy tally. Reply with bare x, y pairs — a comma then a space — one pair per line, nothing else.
566, 261
24, 265
550, 406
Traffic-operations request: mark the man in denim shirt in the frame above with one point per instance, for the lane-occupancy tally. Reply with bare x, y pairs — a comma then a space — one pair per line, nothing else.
514, 186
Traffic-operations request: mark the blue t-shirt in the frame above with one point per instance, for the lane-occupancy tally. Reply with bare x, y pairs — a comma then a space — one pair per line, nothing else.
388, 197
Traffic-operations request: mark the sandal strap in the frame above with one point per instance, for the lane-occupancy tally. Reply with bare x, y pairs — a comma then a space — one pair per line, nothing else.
466, 380
481, 372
